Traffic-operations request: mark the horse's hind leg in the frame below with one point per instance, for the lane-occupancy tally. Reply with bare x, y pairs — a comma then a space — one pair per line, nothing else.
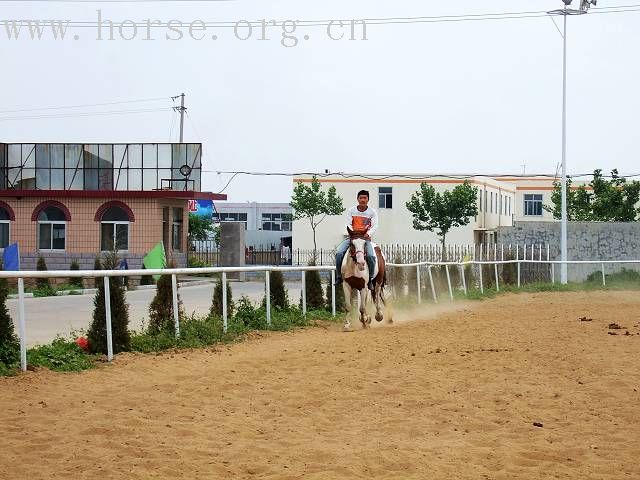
347, 303
377, 295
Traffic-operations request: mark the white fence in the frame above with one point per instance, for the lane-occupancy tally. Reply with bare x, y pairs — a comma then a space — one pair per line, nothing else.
105, 274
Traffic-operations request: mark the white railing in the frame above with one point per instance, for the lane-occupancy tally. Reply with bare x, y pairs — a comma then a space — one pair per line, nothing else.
105, 274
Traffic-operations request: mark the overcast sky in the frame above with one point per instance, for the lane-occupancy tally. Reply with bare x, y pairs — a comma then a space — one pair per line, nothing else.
481, 97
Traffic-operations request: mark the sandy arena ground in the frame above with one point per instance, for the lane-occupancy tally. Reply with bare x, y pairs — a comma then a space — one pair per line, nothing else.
453, 396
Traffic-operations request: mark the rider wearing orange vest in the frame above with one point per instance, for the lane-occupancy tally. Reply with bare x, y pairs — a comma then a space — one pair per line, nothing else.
361, 219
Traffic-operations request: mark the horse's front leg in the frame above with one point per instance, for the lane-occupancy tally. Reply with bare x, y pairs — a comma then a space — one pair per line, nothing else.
364, 318
377, 296
347, 303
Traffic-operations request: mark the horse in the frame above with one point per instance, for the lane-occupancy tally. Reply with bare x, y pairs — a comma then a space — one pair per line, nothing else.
355, 276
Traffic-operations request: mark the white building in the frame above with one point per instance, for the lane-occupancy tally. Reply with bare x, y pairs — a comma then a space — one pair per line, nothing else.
501, 201
266, 224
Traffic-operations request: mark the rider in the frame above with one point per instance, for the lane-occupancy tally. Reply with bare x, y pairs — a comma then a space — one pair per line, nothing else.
363, 219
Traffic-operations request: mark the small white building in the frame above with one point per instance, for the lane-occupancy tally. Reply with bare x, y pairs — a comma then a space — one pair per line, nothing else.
266, 224
501, 201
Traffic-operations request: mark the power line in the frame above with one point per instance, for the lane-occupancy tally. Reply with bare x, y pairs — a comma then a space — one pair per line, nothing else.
65, 107
369, 21
83, 114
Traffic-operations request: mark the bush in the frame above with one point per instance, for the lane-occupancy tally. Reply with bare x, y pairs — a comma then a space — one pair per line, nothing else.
119, 314
97, 265
9, 343
42, 283
161, 308
75, 282
61, 355
313, 289
248, 315
279, 294
216, 301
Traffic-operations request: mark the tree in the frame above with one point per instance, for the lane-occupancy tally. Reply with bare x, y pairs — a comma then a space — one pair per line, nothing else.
278, 292
161, 308
340, 303
442, 211
119, 313
216, 301
314, 292
200, 227
315, 204
75, 282
9, 343
97, 265
42, 283
612, 200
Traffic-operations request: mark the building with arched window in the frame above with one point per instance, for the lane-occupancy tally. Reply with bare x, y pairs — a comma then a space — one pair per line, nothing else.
74, 201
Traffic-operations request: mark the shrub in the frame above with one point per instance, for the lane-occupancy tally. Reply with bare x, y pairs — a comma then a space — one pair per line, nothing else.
340, 303
216, 302
313, 289
248, 315
279, 294
9, 344
75, 282
61, 355
42, 283
119, 314
97, 265
161, 308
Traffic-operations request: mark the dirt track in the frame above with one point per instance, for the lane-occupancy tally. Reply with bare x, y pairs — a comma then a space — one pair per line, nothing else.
453, 397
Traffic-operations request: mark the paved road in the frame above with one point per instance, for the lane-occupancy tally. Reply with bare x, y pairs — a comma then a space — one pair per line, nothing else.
51, 316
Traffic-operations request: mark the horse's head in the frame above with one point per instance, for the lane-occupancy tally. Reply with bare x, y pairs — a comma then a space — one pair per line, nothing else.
358, 246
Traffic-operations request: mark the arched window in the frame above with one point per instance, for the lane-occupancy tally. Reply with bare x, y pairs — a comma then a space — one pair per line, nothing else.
5, 220
114, 229
52, 226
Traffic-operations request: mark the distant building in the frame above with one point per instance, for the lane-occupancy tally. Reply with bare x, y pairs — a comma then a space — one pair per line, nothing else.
266, 224
501, 201
74, 201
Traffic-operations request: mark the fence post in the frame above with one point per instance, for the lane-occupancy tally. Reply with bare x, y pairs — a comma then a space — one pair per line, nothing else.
502, 252
304, 292
333, 293
418, 282
174, 292
433, 288
553, 273
497, 284
540, 254
517, 251
548, 252
107, 314
22, 326
518, 273
224, 302
267, 288
464, 280
480, 271
446, 267
604, 281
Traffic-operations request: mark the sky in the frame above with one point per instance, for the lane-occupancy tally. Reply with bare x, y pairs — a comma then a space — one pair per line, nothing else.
479, 97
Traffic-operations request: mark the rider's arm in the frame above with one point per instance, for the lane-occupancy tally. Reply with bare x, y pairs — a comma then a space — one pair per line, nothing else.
374, 223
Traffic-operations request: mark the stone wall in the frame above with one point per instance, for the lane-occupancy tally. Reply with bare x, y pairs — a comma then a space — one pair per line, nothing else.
586, 241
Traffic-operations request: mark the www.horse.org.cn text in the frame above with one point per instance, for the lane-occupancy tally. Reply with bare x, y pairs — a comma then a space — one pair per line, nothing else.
288, 33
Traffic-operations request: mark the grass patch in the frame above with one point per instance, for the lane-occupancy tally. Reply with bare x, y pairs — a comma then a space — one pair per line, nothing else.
60, 355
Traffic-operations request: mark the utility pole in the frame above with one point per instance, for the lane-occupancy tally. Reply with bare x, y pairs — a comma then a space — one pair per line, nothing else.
182, 109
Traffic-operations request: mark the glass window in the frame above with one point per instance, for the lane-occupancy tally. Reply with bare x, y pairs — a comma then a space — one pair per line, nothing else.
135, 155
51, 229
385, 197
114, 229
164, 156
150, 156
491, 203
509, 206
533, 205
4, 233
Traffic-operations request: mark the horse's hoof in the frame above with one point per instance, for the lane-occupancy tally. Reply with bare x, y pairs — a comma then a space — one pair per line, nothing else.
346, 328
379, 317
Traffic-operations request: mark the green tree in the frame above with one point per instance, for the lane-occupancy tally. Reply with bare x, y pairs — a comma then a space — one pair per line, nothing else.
97, 265
9, 343
314, 292
340, 303
97, 334
200, 227
311, 202
42, 283
216, 301
442, 211
75, 282
278, 292
603, 200
161, 308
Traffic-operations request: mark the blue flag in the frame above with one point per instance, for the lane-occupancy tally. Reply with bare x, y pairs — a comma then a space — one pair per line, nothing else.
11, 258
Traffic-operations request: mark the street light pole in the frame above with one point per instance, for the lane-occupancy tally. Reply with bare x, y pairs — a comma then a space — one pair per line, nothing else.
563, 232
565, 12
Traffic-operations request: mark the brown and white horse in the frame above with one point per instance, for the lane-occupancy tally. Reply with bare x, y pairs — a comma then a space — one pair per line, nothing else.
355, 275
